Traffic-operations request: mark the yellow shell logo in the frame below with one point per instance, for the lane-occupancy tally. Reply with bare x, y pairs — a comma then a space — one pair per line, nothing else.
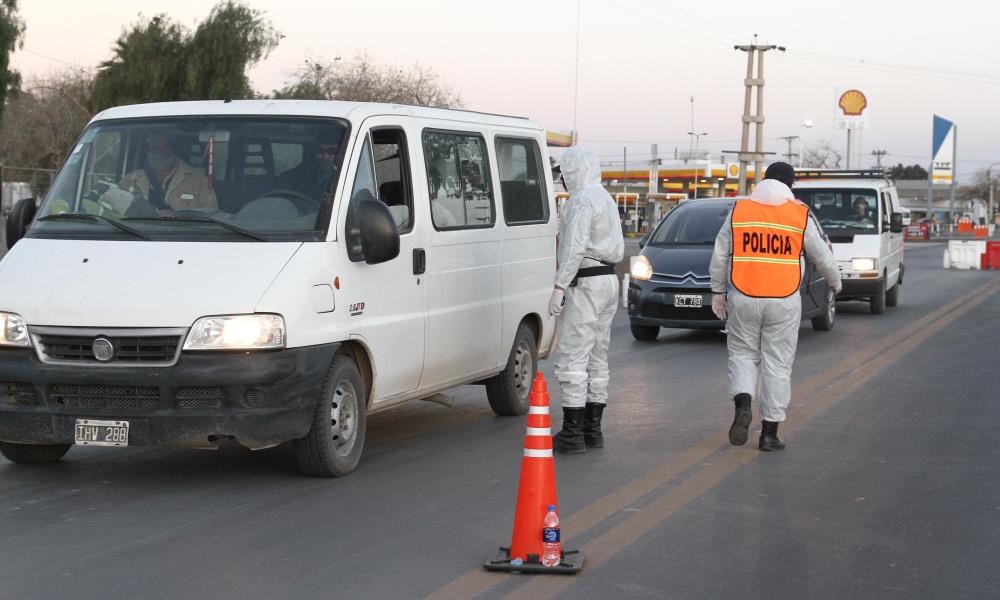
734, 170
852, 102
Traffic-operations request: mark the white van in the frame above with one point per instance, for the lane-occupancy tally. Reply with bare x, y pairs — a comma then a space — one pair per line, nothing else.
260, 272
861, 213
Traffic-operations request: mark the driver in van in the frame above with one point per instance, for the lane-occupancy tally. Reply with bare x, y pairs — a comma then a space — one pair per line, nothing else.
168, 183
860, 209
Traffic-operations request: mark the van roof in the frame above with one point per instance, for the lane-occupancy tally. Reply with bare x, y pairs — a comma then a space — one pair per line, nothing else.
353, 111
843, 183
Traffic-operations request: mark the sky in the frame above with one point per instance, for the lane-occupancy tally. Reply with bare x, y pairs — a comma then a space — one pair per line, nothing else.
639, 63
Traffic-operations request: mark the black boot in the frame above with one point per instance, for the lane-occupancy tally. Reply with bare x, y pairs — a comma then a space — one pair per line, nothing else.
570, 439
769, 436
738, 430
592, 435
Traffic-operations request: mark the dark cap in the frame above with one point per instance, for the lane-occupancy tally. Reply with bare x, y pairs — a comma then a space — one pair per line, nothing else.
782, 171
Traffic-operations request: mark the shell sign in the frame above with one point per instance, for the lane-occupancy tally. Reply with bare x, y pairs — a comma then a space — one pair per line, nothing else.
853, 103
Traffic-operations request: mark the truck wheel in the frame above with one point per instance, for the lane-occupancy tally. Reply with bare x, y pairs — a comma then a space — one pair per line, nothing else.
333, 446
892, 296
508, 391
644, 333
825, 321
878, 300
33, 454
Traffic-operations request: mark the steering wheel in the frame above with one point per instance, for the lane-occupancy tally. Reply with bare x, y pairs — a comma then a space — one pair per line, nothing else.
297, 198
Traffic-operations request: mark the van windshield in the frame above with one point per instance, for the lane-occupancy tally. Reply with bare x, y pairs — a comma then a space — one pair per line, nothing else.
197, 179
842, 210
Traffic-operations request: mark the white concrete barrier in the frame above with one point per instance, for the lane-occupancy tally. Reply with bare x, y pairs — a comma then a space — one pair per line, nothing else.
964, 254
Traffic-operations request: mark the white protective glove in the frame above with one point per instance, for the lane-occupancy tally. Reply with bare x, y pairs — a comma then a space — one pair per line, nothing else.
719, 306
556, 302
837, 286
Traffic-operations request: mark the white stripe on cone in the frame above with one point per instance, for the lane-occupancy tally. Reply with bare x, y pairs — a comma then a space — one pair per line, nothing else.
538, 410
531, 453
546, 431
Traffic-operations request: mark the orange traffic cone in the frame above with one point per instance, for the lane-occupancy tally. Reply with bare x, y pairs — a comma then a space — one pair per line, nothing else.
535, 492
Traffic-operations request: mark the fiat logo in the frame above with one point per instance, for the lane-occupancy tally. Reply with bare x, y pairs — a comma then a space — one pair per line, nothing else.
103, 349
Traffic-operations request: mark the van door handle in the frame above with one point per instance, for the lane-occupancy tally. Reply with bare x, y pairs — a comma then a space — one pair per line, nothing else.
419, 261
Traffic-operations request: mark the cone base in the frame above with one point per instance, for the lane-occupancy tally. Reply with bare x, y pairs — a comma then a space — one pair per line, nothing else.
572, 562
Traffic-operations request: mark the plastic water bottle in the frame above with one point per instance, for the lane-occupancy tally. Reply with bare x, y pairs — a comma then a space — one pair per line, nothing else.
551, 546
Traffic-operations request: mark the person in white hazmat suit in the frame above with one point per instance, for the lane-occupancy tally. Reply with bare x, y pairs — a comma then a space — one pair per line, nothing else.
758, 257
586, 295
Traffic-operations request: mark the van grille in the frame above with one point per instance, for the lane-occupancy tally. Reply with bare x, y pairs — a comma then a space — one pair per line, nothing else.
136, 347
18, 393
199, 397
142, 397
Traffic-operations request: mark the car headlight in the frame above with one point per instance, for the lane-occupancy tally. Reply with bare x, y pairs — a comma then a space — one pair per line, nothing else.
237, 332
641, 269
13, 331
863, 264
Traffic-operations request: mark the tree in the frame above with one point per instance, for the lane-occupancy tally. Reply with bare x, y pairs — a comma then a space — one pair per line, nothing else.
11, 38
362, 79
908, 172
44, 119
822, 156
158, 60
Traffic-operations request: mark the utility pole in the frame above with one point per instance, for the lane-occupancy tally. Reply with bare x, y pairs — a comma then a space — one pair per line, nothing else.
576, 73
954, 177
751, 82
878, 154
789, 155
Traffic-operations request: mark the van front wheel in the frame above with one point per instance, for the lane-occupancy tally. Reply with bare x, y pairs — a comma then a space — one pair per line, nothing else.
333, 446
508, 391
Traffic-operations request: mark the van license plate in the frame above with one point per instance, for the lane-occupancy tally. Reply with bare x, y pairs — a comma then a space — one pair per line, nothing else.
687, 300
90, 432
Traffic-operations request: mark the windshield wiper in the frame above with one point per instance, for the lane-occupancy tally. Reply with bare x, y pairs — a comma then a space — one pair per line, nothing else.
223, 224
95, 219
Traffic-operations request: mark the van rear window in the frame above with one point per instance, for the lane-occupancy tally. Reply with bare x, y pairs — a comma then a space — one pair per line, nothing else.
522, 188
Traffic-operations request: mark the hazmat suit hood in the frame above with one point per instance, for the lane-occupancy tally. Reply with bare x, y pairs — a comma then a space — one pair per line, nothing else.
772, 192
580, 168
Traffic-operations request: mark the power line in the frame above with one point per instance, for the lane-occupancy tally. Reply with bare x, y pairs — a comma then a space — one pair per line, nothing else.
52, 58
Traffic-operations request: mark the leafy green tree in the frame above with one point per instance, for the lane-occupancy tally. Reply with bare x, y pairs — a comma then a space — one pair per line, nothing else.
158, 60
908, 172
232, 39
11, 34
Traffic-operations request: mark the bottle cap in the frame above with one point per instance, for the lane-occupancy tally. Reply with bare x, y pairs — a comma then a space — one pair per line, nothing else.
552, 507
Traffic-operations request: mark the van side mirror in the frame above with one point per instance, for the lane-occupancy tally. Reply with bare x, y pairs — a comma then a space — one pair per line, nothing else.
643, 241
19, 220
377, 231
896, 223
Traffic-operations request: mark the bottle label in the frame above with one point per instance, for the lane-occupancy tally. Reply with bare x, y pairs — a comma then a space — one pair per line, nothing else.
550, 535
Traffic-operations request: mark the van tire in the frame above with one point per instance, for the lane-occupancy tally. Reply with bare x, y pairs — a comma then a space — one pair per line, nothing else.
33, 454
892, 296
509, 390
825, 321
343, 401
878, 300
644, 333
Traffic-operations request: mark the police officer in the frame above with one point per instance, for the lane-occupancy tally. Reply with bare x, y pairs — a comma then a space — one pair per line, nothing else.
586, 294
759, 252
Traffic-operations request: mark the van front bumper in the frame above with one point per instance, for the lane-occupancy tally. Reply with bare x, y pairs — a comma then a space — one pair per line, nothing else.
257, 399
855, 287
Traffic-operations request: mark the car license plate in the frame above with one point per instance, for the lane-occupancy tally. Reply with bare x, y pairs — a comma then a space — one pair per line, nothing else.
91, 432
687, 300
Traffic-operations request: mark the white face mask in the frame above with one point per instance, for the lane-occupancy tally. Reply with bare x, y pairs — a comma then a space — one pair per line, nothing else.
160, 162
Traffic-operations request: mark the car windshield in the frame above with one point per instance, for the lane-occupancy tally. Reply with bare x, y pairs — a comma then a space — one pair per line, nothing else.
197, 179
694, 222
842, 210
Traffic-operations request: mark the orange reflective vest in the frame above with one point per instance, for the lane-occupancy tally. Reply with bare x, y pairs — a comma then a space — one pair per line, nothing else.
767, 248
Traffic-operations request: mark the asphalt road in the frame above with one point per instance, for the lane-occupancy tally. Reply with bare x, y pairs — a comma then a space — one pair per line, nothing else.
888, 488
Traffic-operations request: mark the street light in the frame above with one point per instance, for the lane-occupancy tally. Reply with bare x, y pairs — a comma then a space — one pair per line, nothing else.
805, 124
692, 153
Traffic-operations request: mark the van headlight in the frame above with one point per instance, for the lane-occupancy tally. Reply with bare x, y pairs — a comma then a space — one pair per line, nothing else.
13, 331
641, 269
237, 332
863, 264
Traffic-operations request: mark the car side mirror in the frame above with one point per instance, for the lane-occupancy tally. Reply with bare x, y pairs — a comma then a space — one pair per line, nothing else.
896, 223
643, 241
377, 230
19, 220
